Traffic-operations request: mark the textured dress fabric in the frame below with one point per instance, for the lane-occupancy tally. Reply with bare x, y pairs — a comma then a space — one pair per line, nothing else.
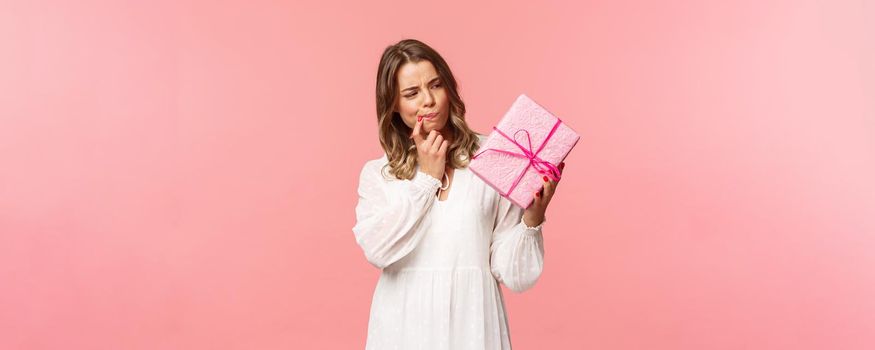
442, 260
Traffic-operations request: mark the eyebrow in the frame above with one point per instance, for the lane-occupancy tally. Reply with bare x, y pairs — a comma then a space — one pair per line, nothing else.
430, 81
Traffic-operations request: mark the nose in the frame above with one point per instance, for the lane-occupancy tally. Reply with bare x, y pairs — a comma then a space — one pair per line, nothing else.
429, 98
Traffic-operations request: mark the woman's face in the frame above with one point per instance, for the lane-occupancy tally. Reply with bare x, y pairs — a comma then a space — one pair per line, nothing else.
421, 92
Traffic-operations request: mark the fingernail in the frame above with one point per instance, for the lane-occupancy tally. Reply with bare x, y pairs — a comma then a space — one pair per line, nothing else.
537, 194
545, 179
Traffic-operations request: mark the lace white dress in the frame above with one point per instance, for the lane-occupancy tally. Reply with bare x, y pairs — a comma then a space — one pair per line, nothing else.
442, 261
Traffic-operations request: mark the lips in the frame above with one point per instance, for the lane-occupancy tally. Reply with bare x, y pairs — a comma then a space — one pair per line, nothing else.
428, 116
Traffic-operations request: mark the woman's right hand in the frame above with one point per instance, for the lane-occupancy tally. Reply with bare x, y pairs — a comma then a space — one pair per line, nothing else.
431, 151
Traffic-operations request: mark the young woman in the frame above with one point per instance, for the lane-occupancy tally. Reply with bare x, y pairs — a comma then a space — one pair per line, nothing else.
443, 238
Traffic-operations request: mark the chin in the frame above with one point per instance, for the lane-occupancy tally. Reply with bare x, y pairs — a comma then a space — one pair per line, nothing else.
440, 126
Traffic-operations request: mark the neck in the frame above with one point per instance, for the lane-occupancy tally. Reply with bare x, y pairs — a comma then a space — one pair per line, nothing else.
448, 134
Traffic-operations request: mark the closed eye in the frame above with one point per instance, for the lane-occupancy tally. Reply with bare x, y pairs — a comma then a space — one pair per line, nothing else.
414, 93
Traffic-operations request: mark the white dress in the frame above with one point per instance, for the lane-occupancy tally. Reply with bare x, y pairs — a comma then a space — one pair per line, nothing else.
442, 261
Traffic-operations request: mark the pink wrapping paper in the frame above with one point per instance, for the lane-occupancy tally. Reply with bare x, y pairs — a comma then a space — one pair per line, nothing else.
516, 171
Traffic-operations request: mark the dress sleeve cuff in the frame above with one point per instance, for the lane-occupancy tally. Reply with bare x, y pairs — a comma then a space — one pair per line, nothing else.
531, 229
426, 181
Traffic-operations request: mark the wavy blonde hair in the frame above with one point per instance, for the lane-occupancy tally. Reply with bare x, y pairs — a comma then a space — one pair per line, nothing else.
394, 134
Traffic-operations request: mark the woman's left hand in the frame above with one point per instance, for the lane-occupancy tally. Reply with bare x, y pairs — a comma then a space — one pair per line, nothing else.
534, 214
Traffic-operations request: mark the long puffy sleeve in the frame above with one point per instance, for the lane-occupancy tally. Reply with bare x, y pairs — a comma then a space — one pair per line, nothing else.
517, 250
390, 213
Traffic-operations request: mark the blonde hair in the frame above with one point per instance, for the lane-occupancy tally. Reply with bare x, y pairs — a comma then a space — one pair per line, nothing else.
394, 134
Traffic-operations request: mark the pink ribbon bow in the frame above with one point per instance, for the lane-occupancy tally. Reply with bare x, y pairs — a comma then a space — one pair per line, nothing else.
542, 166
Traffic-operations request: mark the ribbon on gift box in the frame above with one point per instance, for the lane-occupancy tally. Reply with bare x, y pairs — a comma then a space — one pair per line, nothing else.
542, 166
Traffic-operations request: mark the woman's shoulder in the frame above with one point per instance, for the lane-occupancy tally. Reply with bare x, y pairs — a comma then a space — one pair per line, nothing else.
375, 162
375, 167
381, 159
482, 138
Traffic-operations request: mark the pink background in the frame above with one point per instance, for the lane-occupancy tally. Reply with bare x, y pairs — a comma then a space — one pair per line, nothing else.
182, 175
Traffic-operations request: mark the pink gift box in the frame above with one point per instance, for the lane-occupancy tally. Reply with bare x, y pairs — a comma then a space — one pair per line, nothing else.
527, 144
